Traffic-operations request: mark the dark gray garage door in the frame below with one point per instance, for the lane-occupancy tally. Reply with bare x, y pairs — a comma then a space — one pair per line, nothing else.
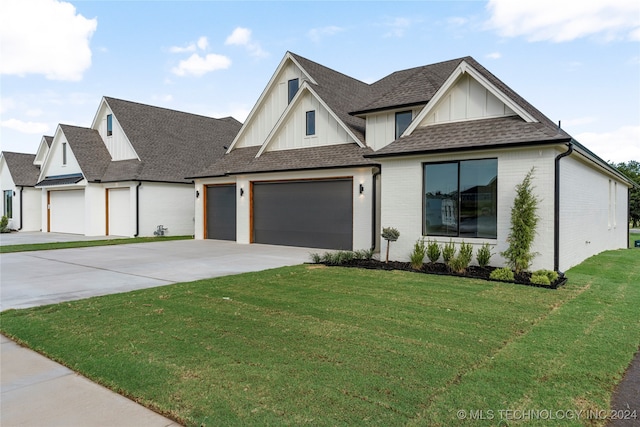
313, 214
221, 212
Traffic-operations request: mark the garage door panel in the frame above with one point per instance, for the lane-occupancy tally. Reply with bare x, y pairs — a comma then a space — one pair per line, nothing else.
316, 214
221, 212
66, 211
119, 212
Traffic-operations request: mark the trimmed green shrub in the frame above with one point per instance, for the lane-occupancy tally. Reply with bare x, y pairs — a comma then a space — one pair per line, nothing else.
483, 255
4, 223
364, 254
540, 279
448, 251
460, 262
524, 220
316, 258
504, 273
417, 255
550, 274
433, 251
337, 257
390, 234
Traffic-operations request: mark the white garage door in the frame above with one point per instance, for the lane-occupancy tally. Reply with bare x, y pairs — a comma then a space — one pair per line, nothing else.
119, 221
66, 211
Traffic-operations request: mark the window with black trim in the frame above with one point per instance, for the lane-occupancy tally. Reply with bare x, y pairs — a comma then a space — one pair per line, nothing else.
64, 153
461, 199
403, 120
109, 124
293, 89
8, 203
311, 123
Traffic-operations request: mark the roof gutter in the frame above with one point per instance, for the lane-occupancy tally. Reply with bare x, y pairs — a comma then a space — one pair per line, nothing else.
556, 207
21, 189
374, 209
138, 209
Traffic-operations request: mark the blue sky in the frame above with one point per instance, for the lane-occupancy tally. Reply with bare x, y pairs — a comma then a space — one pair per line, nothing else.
578, 62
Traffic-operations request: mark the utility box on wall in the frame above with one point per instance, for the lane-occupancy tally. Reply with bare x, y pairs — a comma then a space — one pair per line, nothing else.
637, 244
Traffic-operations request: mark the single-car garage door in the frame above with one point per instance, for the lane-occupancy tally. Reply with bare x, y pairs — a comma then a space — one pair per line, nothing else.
313, 214
221, 212
119, 211
66, 211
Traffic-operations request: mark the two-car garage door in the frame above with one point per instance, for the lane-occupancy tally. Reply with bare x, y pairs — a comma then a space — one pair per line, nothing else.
311, 213
66, 211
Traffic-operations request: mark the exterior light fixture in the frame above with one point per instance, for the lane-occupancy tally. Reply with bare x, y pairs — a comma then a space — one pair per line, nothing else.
197, 194
241, 191
361, 188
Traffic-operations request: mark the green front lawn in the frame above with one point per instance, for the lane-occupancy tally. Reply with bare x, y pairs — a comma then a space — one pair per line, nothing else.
632, 238
86, 243
327, 346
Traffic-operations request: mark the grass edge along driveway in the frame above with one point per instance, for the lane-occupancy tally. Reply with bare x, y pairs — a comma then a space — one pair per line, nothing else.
327, 346
86, 243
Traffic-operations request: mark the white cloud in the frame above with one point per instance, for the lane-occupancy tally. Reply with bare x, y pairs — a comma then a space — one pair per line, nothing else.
398, 27
45, 37
242, 37
203, 43
197, 65
494, 55
25, 127
315, 34
561, 21
191, 47
620, 145
6, 104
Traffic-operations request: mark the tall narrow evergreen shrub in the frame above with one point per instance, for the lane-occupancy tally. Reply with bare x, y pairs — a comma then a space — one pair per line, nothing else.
524, 220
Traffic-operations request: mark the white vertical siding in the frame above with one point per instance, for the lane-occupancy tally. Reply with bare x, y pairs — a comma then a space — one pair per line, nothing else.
381, 128
466, 99
402, 196
117, 143
593, 212
273, 104
54, 164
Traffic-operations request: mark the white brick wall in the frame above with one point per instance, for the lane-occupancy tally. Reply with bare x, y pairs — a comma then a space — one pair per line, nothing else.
588, 223
402, 199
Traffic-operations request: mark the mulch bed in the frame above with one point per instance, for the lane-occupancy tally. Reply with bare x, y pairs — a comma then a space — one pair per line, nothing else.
473, 272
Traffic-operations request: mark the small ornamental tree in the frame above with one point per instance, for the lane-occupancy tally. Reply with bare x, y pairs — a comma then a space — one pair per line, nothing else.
524, 220
389, 234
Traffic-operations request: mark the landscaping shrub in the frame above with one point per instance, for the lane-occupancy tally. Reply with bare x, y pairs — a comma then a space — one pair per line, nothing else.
540, 279
316, 258
417, 255
390, 234
337, 257
550, 274
524, 220
448, 252
4, 223
365, 254
484, 255
504, 273
433, 251
460, 262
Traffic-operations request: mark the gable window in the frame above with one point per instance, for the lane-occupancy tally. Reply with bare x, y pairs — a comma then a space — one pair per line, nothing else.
109, 124
293, 89
64, 153
311, 122
8, 203
403, 120
461, 199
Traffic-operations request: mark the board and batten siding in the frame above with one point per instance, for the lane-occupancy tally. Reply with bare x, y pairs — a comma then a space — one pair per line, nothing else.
292, 134
117, 143
381, 127
54, 165
402, 200
593, 212
273, 104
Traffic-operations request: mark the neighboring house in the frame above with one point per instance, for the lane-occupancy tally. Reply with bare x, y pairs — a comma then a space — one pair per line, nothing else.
125, 174
325, 160
21, 201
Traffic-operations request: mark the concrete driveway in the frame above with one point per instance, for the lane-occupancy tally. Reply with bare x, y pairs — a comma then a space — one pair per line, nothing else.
44, 277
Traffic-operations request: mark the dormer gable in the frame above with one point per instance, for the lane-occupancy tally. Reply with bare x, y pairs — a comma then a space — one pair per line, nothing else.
116, 141
60, 159
467, 95
272, 103
43, 150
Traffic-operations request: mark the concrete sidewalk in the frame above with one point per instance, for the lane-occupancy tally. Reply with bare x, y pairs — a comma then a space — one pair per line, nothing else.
29, 381
38, 392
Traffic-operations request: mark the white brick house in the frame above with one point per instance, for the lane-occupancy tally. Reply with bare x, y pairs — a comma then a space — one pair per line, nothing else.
435, 151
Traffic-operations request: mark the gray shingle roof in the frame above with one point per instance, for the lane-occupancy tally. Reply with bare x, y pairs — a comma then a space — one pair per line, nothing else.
23, 172
171, 144
473, 134
243, 160
89, 150
48, 140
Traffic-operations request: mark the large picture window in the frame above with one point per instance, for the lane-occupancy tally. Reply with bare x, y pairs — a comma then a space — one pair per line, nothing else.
461, 198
